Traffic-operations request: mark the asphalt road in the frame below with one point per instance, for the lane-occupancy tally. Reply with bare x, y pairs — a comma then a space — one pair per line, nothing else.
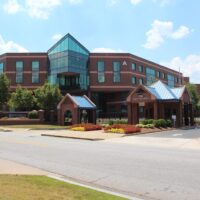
125, 165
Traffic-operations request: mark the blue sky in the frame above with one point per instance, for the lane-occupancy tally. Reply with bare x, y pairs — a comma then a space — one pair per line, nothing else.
164, 31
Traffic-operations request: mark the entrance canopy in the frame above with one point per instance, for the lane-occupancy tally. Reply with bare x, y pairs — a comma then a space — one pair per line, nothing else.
159, 91
76, 105
160, 101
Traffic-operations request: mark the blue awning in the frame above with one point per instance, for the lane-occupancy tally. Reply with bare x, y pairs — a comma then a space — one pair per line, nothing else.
163, 92
83, 102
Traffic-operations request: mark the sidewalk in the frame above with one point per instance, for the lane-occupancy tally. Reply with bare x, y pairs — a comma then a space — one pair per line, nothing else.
10, 167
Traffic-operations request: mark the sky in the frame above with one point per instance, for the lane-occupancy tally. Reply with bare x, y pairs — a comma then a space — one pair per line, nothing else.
163, 31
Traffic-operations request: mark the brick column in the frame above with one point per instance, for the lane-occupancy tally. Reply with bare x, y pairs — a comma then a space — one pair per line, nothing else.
155, 110
179, 115
135, 114
129, 113
191, 110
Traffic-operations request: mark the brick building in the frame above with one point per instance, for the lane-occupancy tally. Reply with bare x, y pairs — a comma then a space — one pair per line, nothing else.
107, 78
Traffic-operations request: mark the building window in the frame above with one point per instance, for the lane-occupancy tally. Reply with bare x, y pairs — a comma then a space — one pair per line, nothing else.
158, 74
170, 80
35, 71
164, 76
116, 72
140, 69
151, 75
133, 80
101, 71
133, 66
140, 81
1, 68
19, 72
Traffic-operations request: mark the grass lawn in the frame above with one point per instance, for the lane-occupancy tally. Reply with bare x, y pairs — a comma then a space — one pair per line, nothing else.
37, 127
13, 187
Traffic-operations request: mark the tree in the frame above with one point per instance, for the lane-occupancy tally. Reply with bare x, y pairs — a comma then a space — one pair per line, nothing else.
48, 96
22, 99
192, 89
4, 89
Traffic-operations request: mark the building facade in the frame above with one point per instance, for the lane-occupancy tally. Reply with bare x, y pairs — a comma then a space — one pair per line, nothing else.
107, 78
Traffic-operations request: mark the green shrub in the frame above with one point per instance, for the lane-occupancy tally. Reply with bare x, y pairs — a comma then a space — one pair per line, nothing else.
150, 126
110, 122
157, 123
145, 126
169, 123
140, 125
163, 123
33, 114
144, 122
147, 121
119, 121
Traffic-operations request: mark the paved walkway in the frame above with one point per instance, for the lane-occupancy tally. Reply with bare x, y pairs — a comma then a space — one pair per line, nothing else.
9, 167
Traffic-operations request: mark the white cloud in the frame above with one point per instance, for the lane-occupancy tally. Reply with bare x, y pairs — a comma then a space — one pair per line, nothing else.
12, 7
189, 66
181, 32
40, 9
56, 37
107, 50
161, 30
10, 46
135, 2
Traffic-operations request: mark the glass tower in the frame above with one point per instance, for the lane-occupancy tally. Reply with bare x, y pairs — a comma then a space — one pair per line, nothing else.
68, 64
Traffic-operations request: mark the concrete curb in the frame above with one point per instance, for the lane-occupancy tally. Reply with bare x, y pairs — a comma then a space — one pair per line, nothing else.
92, 187
71, 137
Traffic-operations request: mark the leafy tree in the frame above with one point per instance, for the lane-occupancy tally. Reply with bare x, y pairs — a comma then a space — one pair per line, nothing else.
192, 89
22, 99
4, 89
48, 96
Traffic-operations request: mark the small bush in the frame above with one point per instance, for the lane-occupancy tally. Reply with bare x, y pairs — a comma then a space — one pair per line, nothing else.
119, 121
33, 114
145, 126
150, 126
110, 122
147, 121
169, 123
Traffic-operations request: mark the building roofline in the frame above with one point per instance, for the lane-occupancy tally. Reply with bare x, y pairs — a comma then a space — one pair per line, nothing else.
134, 56
70, 36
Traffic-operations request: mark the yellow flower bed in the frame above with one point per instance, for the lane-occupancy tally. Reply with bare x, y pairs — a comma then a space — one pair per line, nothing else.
78, 129
116, 130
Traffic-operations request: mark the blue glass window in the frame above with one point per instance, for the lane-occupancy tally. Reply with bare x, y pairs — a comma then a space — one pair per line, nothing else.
158, 74
170, 80
68, 58
133, 66
19, 72
140, 81
101, 71
150, 75
35, 71
140, 68
116, 72
134, 80
1, 68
